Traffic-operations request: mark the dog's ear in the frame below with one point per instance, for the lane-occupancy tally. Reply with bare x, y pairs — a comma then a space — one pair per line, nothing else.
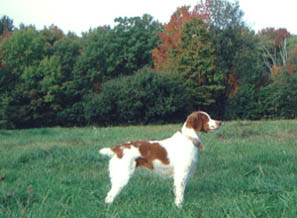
195, 121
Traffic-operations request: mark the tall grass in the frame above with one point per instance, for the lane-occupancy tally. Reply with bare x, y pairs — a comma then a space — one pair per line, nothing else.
249, 169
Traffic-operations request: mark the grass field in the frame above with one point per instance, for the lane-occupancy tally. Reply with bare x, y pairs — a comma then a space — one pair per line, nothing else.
249, 169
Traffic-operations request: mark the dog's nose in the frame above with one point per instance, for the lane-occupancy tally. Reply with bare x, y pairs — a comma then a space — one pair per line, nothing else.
219, 123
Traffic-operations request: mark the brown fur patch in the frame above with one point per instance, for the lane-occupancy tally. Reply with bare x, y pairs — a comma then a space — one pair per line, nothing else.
118, 149
198, 121
142, 162
149, 152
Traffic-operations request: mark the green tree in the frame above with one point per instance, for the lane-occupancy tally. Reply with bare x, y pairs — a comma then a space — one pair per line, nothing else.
138, 36
21, 55
279, 97
92, 65
109, 53
68, 50
6, 25
226, 28
39, 81
23, 49
227, 32
42, 88
186, 48
196, 63
52, 34
248, 74
238, 60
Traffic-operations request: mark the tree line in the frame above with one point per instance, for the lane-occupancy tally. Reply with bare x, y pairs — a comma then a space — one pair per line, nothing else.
141, 71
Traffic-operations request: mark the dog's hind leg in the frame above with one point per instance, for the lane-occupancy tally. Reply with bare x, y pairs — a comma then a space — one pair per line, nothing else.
120, 171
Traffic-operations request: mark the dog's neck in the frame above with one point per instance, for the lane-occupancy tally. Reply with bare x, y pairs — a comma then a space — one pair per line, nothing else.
190, 133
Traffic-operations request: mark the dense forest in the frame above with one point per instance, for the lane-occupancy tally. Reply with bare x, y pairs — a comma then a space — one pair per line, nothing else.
141, 71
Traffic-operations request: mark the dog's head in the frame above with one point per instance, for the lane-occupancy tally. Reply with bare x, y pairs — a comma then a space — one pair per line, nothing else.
201, 122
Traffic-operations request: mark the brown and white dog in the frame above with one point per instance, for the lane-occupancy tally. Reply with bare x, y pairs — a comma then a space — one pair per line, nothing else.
175, 156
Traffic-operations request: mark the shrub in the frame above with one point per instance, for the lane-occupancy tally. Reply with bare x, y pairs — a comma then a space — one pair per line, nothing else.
142, 98
244, 105
280, 97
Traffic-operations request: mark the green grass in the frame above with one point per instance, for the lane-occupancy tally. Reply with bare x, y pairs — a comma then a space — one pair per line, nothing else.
249, 169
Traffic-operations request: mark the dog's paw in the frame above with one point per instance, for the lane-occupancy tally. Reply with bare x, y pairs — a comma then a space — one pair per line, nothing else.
108, 199
178, 203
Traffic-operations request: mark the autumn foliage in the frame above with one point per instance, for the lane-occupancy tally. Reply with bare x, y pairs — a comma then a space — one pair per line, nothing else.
274, 47
171, 36
277, 36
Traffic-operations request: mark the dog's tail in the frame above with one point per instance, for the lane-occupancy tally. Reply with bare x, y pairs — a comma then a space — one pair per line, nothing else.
106, 152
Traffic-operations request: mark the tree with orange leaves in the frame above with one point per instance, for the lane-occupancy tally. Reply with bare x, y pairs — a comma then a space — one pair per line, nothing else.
186, 49
171, 36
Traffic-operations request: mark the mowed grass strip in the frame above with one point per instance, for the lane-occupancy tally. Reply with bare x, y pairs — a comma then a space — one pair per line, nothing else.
249, 169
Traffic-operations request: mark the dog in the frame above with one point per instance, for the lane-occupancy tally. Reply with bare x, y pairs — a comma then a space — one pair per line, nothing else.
175, 156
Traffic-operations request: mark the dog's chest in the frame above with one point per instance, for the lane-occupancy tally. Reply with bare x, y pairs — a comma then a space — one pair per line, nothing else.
161, 169
182, 155
180, 150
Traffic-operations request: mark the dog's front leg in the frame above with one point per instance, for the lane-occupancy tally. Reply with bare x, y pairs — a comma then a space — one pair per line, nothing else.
181, 178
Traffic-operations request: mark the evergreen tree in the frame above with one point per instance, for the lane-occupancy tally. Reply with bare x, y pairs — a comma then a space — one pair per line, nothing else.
6, 25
